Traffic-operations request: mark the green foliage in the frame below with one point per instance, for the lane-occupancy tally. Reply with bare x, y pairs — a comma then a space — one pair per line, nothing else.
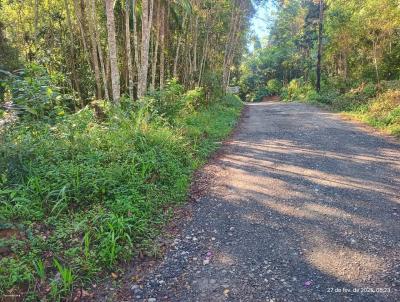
173, 101
274, 87
37, 94
93, 191
298, 90
66, 277
212, 86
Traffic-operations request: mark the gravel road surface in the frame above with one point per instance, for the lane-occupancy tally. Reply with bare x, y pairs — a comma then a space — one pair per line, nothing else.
302, 206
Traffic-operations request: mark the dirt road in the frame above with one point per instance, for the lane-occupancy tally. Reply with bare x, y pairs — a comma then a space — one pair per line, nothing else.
303, 207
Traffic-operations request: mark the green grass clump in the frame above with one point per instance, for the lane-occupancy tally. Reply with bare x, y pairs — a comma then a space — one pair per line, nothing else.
79, 196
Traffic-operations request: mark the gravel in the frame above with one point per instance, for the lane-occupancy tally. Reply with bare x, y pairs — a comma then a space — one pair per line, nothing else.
302, 206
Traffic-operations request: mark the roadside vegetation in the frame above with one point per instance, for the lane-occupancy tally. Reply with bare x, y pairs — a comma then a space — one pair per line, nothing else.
360, 59
83, 192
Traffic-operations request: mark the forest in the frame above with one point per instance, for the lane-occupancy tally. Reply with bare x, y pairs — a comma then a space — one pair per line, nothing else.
107, 108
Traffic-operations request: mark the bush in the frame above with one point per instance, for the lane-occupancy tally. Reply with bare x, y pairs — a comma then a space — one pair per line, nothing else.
37, 94
297, 90
274, 87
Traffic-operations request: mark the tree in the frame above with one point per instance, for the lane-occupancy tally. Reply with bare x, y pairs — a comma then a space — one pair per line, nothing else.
147, 19
320, 32
128, 48
112, 49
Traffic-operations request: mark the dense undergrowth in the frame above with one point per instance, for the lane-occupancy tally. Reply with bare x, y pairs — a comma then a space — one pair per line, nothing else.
80, 193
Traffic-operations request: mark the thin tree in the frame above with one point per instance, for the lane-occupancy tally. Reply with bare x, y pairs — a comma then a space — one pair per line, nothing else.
162, 44
320, 33
147, 18
112, 49
128, 48
95, 57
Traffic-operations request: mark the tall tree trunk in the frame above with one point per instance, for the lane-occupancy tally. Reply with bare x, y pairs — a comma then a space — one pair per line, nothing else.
135, 37
155, 51
375, 47
229, 45
112, 48
175, 72
147, 16
320, 32
95, 58
203, 59
162, 51
79, 17
103, 70
75, 78
195, 38
99, 48
128, 48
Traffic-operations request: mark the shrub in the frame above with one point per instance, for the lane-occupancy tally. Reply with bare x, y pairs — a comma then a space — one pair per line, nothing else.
260, 94
369, 90
167, 102
274, 87
193, 99
37, 95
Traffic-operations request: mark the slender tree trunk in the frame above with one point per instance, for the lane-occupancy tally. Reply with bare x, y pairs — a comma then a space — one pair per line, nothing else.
195, 37
203, 59
72, 46
155, 51
375, 43
162, 50
128, 48
320, 32
103, 70
147, 16
135, 37
99, 48
175, 72
95, 58
79, 17
228, 46
112, 48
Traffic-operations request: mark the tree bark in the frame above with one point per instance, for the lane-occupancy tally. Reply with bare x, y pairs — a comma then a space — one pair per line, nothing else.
147, 16
75, 78
175, 72
203, 59
135, 37
99, 49
229, 45
320, 32
156, 44
79, 17
95, 58
162, 50
128, 49
112, 48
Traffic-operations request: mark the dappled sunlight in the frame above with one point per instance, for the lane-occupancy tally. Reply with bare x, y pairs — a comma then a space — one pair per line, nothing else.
338, 178
346, 264
332, 212
258, 218
225, 259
